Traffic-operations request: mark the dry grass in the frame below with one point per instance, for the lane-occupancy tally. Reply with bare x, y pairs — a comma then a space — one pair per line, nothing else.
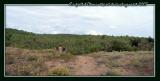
58, 71
50, 62
31, 62
127, 63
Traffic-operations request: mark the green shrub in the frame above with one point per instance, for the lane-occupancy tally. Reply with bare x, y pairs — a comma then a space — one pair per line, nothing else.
59, 71
77, 44
119, 45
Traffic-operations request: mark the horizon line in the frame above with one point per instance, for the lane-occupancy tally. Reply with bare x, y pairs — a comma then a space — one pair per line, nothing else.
77, 34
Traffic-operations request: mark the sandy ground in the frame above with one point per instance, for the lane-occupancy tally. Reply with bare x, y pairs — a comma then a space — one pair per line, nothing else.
88, 66
82, 65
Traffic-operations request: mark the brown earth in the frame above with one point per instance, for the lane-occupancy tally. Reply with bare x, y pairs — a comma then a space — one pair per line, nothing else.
41, 62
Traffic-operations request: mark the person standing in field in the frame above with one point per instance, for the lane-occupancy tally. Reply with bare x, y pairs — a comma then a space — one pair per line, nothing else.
60, 48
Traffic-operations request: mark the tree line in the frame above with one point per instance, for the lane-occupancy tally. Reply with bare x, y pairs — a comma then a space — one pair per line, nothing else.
77, 44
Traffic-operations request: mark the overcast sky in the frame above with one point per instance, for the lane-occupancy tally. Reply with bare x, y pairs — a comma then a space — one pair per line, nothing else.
95, 20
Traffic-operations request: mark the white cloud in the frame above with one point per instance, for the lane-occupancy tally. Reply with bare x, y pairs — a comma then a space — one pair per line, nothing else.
92, 32
79, 20
113, 27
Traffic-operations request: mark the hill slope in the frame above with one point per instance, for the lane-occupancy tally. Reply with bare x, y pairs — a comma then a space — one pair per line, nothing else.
76, 44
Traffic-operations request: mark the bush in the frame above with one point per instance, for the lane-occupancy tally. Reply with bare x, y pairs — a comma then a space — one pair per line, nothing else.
119, 45
59, 71
77, 44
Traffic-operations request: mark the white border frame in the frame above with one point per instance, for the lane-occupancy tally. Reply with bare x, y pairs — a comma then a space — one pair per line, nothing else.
68, 5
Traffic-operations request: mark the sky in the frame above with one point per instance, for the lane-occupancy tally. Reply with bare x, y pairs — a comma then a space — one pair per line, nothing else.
94, 20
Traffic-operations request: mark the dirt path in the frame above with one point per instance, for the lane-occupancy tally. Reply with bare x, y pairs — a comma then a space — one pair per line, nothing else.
83, 66
86, 65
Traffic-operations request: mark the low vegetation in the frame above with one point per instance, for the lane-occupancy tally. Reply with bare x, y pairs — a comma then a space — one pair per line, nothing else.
59, 71
24, 62
77, 44
30, 54
126, 63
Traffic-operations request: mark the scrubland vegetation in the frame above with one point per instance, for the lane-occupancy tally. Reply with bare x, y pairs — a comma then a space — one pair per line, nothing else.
77, 44
24, 62
29, 54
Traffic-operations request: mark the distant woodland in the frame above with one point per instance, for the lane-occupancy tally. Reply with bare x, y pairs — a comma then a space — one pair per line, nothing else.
77, 44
